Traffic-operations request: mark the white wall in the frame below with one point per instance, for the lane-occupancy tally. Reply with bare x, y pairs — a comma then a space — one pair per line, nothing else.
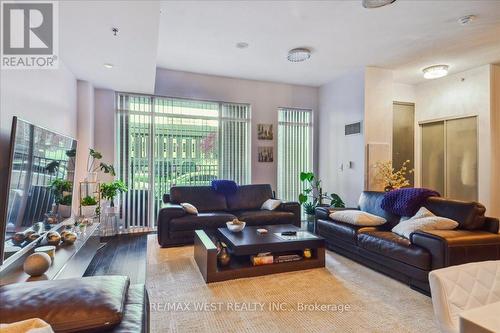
495, 141
85, 127
403, 92
43, 97
264, 97
104, 134
462, 94
378, 121
342, 101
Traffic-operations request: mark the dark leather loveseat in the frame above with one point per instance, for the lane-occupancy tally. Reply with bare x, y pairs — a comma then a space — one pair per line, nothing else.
176, 227
411, 260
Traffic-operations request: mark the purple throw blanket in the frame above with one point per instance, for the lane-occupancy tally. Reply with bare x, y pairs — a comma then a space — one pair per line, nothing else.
406, 201
223, 186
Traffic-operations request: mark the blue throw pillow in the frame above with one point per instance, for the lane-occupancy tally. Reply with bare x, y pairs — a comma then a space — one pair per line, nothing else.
224, 186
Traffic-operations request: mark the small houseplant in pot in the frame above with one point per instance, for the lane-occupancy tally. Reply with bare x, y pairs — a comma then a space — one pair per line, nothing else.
64, 207
93, 165
89, 206
313, 196
62, 193
110, 191
310, 210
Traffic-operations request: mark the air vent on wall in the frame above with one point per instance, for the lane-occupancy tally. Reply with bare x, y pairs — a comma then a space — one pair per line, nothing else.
354, 128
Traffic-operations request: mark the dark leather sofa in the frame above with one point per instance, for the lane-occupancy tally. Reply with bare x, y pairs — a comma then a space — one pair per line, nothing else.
89, 304
176, 227
410, 260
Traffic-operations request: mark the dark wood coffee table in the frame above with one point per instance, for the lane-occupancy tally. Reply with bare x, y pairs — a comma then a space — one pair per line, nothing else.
248, 242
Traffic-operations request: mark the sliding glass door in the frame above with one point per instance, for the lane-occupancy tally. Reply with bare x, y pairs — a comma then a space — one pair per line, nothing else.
164, 142
294, 150
449, 157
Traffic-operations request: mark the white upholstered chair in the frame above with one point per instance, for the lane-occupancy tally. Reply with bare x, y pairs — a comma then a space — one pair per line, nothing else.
459, 288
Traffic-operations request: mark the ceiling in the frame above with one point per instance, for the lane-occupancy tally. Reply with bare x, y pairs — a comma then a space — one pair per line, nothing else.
200, 37
87, 42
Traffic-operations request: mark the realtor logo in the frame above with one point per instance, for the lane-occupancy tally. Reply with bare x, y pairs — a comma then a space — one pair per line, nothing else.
29, 35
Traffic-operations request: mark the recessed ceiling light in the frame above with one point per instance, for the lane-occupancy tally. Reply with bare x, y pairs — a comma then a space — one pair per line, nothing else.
299, 54
464, 20
376, 3
436, 71
242, 45
108, 65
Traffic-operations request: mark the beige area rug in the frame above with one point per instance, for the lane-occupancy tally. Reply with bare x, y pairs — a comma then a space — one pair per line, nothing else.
371, 302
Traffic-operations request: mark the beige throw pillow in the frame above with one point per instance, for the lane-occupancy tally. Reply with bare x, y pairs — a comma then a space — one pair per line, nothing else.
422, 212
271, 204
190, 209
357, 217
406, 228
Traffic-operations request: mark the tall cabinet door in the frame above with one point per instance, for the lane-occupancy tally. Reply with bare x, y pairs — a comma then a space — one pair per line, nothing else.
461, 159
432, 160
403, 137
449, 158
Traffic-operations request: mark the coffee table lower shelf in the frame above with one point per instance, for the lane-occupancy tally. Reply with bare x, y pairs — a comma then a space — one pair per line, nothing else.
205, 255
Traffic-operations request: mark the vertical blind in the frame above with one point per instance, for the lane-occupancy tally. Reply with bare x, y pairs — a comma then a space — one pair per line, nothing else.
294, 150
235, 143
169, 141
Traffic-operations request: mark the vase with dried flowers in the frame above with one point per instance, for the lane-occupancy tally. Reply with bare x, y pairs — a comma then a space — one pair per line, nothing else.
390, 178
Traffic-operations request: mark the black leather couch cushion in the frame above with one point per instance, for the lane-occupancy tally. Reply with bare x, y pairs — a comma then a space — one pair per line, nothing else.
370, 201
263, 217
346, 232
249, 197
94, 303
391, 245
469, 215
201, 221
202, 197
136, 318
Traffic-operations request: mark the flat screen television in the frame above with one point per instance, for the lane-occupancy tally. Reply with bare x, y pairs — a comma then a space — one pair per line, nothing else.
41, 174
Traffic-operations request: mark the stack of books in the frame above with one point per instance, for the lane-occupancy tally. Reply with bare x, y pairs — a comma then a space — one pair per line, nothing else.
287, 258
268, 258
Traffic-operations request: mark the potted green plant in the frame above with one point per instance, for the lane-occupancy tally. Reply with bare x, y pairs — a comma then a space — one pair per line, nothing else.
88, 206
62, 193
93, 166
64, 207
310, 210
110, 191
313, 196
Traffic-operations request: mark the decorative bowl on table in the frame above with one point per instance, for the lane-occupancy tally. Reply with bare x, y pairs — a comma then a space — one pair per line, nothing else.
235, 225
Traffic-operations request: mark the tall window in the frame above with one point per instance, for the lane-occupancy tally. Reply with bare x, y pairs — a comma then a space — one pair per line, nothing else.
182, 142
294, 150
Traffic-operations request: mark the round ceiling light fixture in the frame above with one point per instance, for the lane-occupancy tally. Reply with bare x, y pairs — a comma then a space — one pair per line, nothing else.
436, 71
464, 20
299, 54
242, 45
108, 65
376, 3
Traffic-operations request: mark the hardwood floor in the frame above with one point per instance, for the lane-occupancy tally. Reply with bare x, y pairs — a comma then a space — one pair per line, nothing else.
122, 255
